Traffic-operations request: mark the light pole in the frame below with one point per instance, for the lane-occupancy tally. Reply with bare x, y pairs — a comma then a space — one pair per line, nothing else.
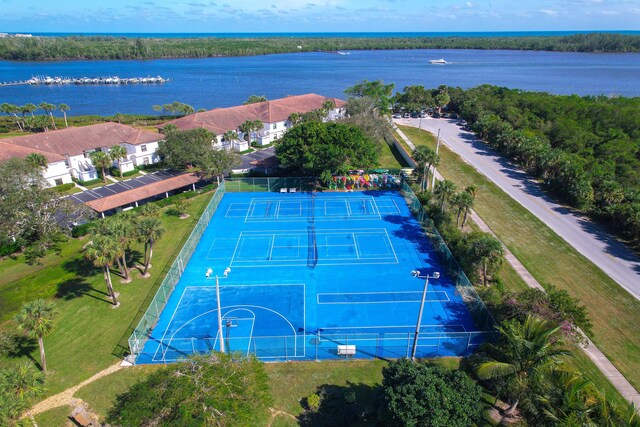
416, 273
225, 274
433, 179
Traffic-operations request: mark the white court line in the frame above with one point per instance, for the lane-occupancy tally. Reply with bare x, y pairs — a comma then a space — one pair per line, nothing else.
382, 293
355, 245
346, 202
253, 322
390, 244
277, 210
169, 324
273, 238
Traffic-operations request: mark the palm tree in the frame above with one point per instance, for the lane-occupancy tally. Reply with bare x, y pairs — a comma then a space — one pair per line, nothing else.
148, 230
471, 189
571, 400
38, 161
21, 385
294, 119
421, 156
103, 251
120, 228
488, 251
35, 319
101, 160
149, 210
443, 191
118, 153
64, 108
250, 126
49, 108
230, 136
524, 354
464, 202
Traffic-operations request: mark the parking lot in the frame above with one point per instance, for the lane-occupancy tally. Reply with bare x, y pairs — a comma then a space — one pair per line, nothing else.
122, 186
257, 159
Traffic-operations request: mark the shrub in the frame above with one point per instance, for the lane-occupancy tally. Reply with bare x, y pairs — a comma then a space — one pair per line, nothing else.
9, 249
314, 401
82, 229
64, 187
90, 182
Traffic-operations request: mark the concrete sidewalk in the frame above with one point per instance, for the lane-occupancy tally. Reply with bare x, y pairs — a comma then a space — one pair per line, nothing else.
605, 366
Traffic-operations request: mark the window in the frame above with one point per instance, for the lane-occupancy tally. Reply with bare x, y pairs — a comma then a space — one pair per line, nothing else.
58, 181
143, 148
66, 163
145, 161
275, 125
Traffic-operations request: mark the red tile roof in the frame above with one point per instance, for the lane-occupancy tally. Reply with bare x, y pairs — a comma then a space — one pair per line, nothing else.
130, 196
76, 140
9, 151
221, 120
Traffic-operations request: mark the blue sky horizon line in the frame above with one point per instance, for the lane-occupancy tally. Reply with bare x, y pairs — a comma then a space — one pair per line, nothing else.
305, 16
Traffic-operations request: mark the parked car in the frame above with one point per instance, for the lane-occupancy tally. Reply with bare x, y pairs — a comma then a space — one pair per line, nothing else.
406, 115
397, 116
436, 115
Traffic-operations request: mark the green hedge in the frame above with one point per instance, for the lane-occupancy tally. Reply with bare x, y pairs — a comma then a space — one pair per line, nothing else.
114, 171
90, 182
82, 229
64, 187
9, 249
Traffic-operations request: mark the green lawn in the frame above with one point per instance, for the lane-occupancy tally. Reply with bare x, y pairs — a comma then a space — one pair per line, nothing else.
87, 328
390, 158
56, 417
615, 313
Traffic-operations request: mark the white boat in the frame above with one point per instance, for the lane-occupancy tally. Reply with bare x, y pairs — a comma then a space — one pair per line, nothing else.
437, 61
343, 53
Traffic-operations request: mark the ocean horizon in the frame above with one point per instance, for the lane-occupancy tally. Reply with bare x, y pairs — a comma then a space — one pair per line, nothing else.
331, 34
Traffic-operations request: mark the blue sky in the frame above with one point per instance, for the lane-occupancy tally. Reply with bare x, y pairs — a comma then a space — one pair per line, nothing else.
316, 15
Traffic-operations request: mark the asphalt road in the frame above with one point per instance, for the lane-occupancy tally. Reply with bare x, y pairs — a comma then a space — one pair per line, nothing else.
259, 158
613, 257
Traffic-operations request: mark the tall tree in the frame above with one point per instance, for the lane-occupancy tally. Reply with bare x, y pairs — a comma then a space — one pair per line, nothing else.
230, 136
487, 251
194, 148
103, 252
64, 108
377, 90
32, 214
463, 201
250, 126
12, 110
525, 353
254, 99
101, 160
442, 98
425, 157
121, 228
418, 394
118, 153
314, 147
443, 191
49, 109
148, 230
35, 319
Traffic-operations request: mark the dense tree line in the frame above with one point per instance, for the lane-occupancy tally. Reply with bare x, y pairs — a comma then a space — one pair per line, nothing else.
100, 47
584, 149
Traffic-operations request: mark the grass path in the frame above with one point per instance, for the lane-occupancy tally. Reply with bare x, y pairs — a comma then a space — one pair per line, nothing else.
66, 397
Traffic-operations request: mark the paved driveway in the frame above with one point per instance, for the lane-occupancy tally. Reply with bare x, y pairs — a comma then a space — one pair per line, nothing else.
122, 186
260, 158
613, 257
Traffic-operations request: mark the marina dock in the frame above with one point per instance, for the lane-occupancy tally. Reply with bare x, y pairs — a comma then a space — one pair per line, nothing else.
48, 81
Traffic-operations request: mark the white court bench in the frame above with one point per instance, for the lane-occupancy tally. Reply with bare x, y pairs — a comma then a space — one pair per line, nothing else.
346, 350
283, 190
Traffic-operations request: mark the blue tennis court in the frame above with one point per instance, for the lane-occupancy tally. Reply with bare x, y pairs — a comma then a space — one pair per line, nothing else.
310, 274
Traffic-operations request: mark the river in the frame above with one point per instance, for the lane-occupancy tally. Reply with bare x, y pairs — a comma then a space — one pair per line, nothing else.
222, 82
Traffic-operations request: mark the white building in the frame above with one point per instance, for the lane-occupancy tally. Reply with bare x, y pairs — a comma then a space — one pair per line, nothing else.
68, 151
275, 117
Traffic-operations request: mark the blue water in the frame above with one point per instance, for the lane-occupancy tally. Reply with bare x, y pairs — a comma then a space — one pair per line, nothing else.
222, 82
307, 276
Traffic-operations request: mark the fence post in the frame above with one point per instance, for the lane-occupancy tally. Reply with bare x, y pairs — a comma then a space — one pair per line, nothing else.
268, 184
468, 340
408, 341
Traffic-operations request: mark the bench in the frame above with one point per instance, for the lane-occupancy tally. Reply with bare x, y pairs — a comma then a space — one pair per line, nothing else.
292, 190
283, 190
346, 350
81, 420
